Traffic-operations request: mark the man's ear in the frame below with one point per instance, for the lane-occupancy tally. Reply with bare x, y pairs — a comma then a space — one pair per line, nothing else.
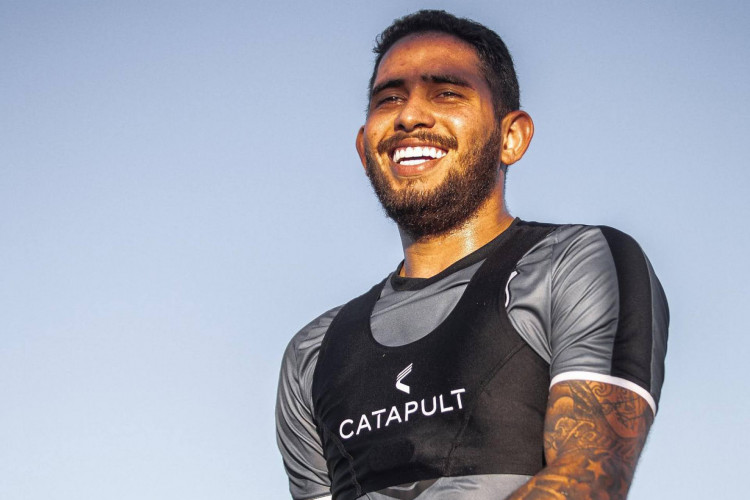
360, 143
517, 130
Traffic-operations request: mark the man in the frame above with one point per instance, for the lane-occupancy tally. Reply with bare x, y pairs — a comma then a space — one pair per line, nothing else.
502, 358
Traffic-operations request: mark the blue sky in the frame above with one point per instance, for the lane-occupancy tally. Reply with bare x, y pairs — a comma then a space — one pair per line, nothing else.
179, 194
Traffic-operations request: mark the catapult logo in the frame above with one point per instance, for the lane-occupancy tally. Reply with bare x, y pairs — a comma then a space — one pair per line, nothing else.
400, 385
400, 413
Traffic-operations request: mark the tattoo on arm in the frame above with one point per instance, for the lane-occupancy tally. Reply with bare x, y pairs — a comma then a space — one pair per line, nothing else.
594, 433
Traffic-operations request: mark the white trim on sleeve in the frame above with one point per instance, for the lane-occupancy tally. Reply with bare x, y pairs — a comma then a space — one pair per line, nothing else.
607, 379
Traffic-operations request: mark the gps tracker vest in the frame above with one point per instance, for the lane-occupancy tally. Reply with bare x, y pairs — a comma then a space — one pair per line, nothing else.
468, 398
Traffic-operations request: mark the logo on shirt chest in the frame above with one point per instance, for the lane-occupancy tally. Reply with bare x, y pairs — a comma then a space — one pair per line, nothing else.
400, 385
400, 413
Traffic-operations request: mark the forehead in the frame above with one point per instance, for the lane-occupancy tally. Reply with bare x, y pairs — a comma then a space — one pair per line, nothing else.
429, 53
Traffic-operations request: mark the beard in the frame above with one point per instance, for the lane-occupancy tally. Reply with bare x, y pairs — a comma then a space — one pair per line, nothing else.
422, 212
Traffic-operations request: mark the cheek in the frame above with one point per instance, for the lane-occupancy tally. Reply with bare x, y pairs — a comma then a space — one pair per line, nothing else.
371, 146
471, 128
378, 123
371, 136
461, 125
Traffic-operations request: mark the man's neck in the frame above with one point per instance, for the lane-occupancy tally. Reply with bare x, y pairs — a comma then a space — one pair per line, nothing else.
427, 256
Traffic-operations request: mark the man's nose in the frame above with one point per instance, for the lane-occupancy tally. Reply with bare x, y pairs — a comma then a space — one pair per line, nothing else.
415, 113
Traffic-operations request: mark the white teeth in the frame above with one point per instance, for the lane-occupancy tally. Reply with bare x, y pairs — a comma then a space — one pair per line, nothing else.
416, 154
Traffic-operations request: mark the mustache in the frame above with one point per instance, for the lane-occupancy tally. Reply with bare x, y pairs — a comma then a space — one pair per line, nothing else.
445, 142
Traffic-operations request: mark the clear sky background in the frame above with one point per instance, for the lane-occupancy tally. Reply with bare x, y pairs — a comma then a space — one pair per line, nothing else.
179, 194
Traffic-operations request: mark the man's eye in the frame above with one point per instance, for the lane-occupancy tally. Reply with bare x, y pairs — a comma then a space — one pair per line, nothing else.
449, 93
388, 100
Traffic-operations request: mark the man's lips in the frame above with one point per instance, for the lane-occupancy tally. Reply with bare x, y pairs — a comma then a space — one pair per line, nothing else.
415, 155
420, 138
412, 154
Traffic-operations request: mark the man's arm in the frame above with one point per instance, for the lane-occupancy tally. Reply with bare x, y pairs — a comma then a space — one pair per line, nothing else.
594, 433
296, 434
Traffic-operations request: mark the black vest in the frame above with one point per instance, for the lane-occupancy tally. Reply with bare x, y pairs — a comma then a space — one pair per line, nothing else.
468, 398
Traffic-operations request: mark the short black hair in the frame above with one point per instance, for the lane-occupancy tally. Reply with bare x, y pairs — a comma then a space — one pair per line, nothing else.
495, 60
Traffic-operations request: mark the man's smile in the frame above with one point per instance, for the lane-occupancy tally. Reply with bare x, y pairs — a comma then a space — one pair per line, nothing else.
416, 155
415, 160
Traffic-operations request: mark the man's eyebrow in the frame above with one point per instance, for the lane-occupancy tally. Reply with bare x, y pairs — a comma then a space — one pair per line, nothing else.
388, 84
446, 78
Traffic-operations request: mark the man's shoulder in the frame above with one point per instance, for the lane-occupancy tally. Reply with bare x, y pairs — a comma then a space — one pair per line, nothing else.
565, 240
308, 339
563, 231
300, 358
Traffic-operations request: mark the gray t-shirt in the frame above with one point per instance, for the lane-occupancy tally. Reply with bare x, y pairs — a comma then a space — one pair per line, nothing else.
563, 299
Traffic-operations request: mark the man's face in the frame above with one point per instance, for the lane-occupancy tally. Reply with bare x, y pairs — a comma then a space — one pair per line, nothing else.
431, 143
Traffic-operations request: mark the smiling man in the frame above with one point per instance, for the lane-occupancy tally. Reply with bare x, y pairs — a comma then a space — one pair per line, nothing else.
502, 358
